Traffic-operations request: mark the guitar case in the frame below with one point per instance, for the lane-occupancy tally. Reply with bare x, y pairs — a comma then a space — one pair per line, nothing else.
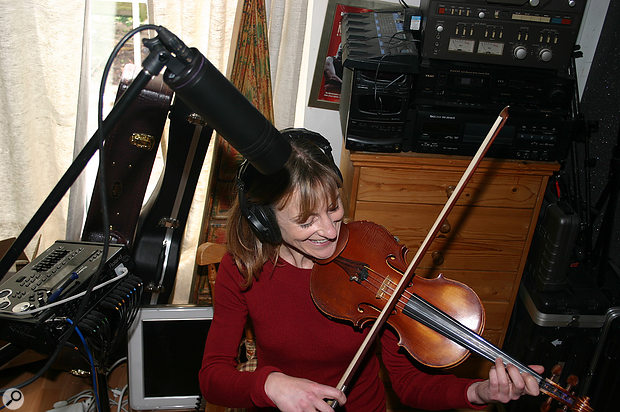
163, 219
129, 154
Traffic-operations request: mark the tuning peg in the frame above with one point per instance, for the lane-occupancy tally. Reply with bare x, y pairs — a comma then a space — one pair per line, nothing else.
571, 382
556, 371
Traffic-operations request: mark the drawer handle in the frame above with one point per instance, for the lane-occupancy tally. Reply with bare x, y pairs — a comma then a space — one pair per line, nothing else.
437, 258
445, 227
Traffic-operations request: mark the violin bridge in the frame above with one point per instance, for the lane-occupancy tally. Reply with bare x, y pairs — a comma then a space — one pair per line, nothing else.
383, 289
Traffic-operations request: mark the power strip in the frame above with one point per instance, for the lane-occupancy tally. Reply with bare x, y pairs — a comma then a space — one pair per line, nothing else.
64, 406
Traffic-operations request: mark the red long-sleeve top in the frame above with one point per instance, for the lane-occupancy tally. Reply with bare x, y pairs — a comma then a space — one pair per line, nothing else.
295, 338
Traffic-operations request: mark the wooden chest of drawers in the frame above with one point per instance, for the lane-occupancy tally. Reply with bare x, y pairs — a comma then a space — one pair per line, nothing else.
485, 240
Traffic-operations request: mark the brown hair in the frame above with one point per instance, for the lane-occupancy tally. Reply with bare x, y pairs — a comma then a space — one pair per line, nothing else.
310, 172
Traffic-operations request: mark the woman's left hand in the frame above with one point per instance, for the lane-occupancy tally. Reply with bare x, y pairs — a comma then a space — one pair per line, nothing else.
504, 384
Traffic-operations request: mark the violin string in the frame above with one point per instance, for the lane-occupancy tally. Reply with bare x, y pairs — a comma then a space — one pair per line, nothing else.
389, 290
375, 283
392, 285
401, 304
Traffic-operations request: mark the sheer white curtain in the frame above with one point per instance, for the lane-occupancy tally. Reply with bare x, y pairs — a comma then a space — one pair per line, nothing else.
46, 79
287, 27
48, 74
39, 72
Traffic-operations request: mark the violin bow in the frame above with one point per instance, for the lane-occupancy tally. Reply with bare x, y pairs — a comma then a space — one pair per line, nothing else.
361, 353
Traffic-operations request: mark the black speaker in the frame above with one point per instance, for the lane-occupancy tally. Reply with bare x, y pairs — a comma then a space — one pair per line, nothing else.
553, 243
601, 103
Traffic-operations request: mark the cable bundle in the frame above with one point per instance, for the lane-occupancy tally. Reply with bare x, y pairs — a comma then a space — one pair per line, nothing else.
106, 325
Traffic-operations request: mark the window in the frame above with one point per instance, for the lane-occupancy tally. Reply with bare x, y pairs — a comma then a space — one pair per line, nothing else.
110, 21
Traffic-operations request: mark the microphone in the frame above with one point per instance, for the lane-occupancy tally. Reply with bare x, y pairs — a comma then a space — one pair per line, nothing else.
204, 89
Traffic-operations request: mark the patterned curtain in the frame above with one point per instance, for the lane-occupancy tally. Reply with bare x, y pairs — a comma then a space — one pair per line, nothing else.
251, 75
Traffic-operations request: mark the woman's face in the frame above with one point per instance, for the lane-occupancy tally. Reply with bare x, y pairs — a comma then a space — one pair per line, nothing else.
314, 238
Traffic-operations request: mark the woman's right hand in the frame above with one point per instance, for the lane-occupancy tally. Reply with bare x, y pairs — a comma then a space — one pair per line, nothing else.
300, 395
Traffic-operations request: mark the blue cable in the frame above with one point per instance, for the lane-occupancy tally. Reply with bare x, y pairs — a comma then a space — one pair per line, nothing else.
92, 363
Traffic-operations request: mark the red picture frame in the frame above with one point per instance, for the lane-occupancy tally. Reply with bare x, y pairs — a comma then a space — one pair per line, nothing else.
325, 90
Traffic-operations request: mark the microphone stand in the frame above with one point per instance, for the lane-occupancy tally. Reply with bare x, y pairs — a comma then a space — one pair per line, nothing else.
157, 59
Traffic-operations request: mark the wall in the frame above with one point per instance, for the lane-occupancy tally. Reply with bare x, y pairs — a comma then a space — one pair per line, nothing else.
327, 122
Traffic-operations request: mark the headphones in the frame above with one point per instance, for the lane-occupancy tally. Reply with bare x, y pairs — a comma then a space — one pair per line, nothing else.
262, 218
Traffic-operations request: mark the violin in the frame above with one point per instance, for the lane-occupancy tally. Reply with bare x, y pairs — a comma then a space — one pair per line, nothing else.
438, 321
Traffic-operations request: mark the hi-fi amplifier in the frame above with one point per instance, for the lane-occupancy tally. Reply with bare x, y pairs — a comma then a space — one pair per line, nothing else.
460, 132
536, 34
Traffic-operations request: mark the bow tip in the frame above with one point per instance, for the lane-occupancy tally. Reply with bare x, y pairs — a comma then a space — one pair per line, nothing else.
504, 112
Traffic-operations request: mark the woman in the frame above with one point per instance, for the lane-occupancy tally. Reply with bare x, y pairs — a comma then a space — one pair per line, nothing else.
277, 227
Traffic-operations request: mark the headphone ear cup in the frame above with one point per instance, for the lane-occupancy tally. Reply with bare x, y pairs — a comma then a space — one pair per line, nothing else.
263, 221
